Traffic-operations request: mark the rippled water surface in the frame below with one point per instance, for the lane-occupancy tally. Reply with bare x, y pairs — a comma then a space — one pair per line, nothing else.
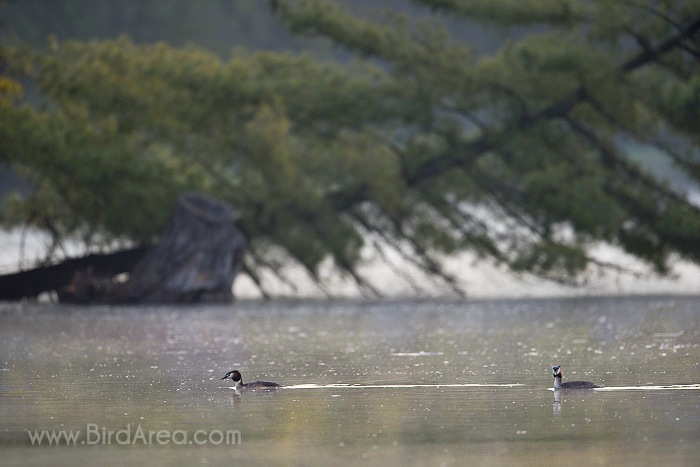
391, 383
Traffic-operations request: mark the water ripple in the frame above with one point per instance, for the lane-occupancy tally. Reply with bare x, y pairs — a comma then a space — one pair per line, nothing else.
400, 386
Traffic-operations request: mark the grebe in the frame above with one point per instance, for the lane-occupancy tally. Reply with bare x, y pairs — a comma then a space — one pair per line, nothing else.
239, 385
556, 371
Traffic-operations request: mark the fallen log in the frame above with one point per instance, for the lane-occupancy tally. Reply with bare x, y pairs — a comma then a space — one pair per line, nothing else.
33, 282
196, 259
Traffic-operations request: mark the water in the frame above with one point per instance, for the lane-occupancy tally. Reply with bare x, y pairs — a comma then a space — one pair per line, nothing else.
390, 383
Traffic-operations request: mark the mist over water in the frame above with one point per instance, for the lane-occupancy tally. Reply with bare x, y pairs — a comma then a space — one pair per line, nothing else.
391, 382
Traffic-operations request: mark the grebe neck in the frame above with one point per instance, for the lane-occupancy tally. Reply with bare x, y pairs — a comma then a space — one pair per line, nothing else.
557, 382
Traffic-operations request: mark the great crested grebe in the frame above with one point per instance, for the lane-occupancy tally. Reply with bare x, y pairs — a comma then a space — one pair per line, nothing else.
556, 371
239, 385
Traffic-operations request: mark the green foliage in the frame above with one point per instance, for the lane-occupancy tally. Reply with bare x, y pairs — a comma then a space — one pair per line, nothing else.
130, 127
520, 155
540, 123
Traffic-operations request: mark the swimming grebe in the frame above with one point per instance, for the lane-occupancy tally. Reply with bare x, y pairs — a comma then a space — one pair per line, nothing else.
556, 371
239, 385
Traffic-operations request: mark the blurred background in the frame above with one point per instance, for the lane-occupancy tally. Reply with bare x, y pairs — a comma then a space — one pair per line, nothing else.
373, 148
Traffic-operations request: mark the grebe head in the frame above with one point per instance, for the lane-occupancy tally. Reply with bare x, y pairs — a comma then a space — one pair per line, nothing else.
235, 376
556, 371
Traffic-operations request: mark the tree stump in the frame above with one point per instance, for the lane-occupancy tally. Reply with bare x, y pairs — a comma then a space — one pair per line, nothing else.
196, 259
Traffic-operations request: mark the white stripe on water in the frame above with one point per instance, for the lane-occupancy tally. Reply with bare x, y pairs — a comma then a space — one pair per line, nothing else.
399, 386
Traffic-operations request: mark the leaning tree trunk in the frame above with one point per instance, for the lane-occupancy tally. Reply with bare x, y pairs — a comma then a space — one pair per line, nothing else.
196, 259
95, 270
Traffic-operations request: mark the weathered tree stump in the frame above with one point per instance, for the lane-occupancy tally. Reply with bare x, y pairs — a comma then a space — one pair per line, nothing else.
196, 259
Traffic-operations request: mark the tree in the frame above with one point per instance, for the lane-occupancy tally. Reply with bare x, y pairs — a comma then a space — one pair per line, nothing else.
431, 147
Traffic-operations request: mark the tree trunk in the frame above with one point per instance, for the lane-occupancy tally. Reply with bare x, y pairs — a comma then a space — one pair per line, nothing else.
31, 283
196, 259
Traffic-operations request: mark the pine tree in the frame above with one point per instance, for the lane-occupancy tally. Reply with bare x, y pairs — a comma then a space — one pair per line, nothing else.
525, 156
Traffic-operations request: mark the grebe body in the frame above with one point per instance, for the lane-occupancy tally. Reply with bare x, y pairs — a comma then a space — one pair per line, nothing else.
556, 372
239, 385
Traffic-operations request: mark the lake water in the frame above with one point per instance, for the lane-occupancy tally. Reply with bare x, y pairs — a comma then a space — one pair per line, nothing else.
390, 383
